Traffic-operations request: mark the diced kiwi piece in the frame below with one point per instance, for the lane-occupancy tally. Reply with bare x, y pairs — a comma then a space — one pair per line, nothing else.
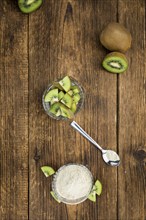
92, 196
70, 92
54, 196
48, 171
73, 107
60, 95
76, 98
52, 96
55, 108
66, 112
115, 62
98, 186
75, 89
65, 83
58, 113
57, 85
67, 100
28, 6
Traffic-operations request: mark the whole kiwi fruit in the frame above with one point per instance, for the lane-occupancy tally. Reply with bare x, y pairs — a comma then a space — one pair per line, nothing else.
115, 37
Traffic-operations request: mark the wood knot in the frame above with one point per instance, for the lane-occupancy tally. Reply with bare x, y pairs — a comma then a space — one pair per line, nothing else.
69, 12
37, 155
140, 155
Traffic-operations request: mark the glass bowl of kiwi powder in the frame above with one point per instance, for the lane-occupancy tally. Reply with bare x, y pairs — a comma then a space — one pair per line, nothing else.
63, 98
72, 183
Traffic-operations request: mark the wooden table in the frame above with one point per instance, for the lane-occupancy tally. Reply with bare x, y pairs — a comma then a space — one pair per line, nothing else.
62, 38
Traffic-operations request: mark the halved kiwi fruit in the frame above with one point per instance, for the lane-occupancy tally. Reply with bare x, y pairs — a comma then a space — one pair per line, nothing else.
115, 62
28, 6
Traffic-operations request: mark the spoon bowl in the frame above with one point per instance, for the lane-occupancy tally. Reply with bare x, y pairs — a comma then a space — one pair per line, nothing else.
111, 157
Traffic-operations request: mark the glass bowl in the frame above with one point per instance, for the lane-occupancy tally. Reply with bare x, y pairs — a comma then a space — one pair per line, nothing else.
84, 178
46, 105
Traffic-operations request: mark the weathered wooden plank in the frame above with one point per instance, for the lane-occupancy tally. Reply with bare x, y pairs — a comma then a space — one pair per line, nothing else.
13, 113
64, 39
132, 120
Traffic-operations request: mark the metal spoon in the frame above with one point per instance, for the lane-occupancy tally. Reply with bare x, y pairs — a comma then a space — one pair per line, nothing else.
109, 156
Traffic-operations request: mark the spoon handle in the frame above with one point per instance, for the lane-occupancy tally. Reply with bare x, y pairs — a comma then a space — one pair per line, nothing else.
81, 131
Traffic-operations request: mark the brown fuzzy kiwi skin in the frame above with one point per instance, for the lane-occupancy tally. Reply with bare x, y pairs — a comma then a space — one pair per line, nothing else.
115, 37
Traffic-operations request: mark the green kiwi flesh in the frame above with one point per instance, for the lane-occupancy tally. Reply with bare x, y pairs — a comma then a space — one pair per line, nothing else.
65, 83
52, 96
67, 100
115, 62
98, 187
61, 103
55, 108
73, 107
54, 197
66, 112
60, 95
76, 98
92, 196
48, 171
28, 6
75, 89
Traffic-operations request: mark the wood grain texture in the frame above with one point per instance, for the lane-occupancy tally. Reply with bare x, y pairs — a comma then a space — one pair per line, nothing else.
13, 113
62, 38
132, 117
65, 40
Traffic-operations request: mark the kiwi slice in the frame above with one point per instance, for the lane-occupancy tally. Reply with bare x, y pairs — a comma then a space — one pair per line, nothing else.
67, 100
28, 6
98, 187
65, 83
55, 108
70, 92
57, 85
76, 98
52, 96
66, 112
54, 196
92, 196
48, 171
73, 107
60, 95
75, 89
115, 62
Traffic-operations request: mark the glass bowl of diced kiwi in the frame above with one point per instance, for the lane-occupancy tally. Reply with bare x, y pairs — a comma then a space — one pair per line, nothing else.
63, 98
